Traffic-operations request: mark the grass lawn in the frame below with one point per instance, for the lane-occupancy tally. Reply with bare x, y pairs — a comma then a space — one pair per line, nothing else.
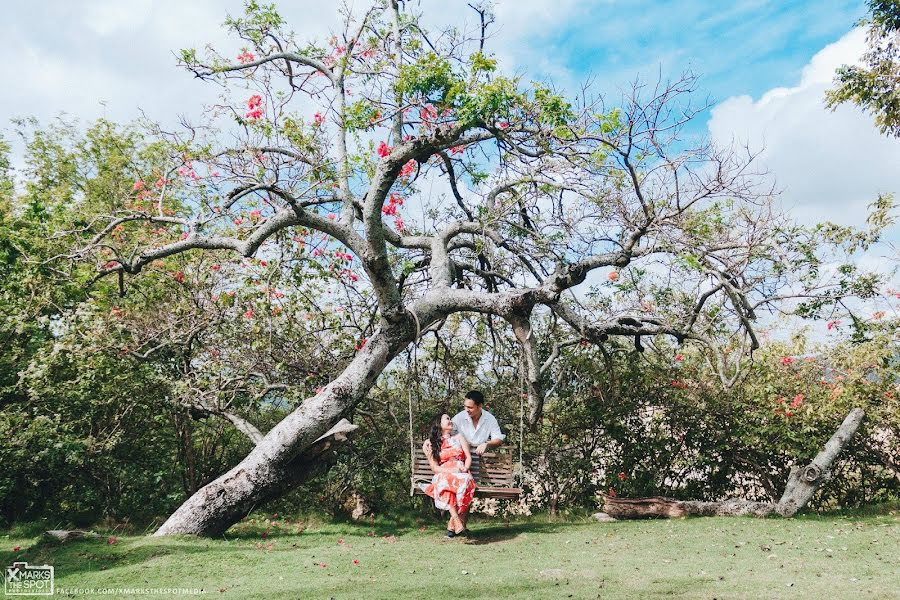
832, 556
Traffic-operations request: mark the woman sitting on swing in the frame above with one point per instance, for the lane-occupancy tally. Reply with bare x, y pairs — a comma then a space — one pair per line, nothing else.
452, 486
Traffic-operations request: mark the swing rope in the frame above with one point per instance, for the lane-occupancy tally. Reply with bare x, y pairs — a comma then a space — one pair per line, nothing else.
412, 442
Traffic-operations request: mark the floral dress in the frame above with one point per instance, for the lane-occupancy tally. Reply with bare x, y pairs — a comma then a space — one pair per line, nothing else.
451, 489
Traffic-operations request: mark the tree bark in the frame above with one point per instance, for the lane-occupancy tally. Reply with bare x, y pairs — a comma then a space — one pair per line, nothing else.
292, 451
801, 485
228, 499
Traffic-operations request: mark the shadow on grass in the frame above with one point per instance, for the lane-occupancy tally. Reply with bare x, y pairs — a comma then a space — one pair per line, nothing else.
493, 534
97, 554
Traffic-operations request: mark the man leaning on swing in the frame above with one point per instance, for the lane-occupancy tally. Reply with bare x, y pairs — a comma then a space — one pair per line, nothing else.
478, 426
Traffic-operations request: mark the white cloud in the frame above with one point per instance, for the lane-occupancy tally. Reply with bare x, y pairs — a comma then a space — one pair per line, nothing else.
830, 165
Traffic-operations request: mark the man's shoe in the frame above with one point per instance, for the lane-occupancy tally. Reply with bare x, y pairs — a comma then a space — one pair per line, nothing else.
451, 533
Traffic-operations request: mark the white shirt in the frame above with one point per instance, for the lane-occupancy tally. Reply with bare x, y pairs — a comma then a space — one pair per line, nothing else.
488, 428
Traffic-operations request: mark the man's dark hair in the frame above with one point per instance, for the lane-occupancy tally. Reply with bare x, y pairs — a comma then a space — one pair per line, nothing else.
476, 397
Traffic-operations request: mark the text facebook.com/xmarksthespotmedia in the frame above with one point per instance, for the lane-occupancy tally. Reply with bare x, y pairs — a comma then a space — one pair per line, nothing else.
131, 591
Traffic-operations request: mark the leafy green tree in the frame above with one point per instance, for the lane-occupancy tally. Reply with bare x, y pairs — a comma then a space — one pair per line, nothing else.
875, 85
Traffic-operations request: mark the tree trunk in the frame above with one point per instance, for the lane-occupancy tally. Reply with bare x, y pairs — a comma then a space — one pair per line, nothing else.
801, 485
225, 501
291, 452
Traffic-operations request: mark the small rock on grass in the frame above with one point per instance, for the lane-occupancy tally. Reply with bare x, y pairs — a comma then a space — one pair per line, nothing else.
603, 517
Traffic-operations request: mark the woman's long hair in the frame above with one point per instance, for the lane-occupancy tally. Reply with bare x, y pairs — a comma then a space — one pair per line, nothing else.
436, 435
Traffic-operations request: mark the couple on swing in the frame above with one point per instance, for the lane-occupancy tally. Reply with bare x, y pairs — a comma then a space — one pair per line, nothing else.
449, 450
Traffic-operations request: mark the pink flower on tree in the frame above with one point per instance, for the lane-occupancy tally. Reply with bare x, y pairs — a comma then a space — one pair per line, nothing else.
138, 185
245, 57
408, 169
249, 314
832, 324
383, 150
797, 401
318, 119
457, 149
786, 360
398, 223
254, 101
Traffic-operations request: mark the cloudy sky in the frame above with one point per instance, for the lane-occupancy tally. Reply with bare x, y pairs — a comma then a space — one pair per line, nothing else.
764, 64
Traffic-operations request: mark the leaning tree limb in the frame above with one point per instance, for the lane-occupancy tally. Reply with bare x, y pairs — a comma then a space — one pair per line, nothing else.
801, 486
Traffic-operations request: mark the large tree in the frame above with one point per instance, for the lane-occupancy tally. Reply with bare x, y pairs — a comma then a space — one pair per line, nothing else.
608, 217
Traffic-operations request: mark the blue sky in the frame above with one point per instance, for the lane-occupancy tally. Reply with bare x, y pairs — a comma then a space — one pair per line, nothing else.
747, 48
765, 64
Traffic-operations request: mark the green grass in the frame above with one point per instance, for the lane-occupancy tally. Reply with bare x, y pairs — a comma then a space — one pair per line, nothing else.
832, 556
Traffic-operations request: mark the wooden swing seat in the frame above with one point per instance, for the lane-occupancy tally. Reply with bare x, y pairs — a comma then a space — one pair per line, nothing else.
492, 472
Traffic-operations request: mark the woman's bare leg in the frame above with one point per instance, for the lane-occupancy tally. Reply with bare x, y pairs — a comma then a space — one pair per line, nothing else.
455, 524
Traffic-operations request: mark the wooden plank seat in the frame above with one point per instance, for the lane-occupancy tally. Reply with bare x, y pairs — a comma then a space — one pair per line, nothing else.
492, 472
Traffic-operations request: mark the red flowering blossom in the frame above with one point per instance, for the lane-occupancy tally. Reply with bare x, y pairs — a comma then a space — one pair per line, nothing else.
383, 150
263, 263
318, 252
253, 115
117, 312
428, 113
878, 314
398, 223
318, 119
111, 540
408, 169
160, 182
138, 185
612, 493
786, 360
390, 209
331, 216
504, 125
254, 101
238, 221
215, 267
355, 561
622, 476
245, 58
249, 314
797, 401
255, 214
832, 324
179, 276
457, 149
679, 384
361, 344
679, 358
